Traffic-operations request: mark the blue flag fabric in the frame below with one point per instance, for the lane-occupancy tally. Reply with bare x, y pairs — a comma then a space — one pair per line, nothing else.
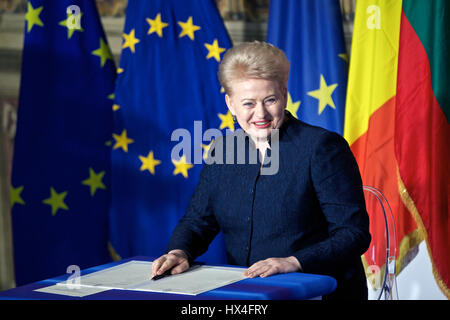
167, 96
311, 35
61, 167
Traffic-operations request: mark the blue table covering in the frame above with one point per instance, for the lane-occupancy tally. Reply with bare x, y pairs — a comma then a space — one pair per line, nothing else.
288, 286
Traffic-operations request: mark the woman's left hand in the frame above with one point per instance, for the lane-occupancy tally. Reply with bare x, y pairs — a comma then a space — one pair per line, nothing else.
273, 266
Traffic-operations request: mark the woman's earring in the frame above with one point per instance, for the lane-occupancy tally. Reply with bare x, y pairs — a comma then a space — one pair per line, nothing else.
234, 119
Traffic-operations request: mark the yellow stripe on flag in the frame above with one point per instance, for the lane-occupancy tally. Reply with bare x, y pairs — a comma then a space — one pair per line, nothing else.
373, 62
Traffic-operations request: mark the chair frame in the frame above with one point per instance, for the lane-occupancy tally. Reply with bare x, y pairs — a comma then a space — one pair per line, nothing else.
389, 286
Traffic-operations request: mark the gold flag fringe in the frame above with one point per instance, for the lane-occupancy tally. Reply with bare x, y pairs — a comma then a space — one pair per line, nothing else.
113, 253
409, 203
407, 250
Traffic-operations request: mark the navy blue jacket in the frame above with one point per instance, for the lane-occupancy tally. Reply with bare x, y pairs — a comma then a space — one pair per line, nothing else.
313, 209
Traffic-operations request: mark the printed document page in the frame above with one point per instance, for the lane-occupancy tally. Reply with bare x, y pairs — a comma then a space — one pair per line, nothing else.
136, 275
121, 276
194, 281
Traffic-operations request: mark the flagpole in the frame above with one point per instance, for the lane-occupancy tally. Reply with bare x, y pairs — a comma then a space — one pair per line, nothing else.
6, 255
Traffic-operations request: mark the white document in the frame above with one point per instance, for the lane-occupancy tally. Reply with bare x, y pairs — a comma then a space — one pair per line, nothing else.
136, 275
118, 277
122, 276
63, 289
194, 281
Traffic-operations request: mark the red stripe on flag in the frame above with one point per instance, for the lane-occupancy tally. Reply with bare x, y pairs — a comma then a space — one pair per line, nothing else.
422, 140
374, 152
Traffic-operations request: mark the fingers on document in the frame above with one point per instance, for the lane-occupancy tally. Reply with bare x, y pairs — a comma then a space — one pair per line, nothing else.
183, 266
158, 265
167, 262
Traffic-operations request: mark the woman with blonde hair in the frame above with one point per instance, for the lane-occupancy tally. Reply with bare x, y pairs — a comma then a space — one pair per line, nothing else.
309, 216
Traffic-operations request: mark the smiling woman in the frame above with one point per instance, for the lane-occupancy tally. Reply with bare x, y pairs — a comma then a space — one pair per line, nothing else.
308, 216
258, 106
254, 76
253, 60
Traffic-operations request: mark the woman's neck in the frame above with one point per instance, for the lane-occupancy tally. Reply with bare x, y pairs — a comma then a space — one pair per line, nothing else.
262, 144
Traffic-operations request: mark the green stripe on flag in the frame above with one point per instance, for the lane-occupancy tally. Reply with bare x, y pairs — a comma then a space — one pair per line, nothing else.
431, 20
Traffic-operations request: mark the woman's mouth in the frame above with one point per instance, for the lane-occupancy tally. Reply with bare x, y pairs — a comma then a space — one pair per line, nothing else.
262, 124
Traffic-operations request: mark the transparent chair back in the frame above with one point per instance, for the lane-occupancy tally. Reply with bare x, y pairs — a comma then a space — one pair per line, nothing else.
379, 259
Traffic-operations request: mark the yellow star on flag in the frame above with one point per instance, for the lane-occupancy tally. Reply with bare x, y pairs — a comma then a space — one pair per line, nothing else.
130, 41
122, 141
227, 120
94, 181
343, 56
72, 29
103, 52
181, 166
32, 17
188, 28
156, 25
149, 163
14, 195
323, 94
206, 148
292, 106
214, 50
56, 201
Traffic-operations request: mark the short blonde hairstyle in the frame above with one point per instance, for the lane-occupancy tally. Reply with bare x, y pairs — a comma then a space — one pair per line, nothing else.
254, 60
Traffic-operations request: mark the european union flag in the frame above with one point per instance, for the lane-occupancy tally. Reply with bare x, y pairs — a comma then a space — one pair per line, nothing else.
167, 96
311, 35
61, 166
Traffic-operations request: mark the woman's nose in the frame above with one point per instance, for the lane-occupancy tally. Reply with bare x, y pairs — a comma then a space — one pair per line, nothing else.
260, 110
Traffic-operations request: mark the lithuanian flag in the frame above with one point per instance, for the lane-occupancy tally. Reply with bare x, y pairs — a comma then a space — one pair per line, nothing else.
397, 122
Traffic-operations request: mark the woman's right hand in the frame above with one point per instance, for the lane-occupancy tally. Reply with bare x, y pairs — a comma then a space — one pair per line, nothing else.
175, 260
